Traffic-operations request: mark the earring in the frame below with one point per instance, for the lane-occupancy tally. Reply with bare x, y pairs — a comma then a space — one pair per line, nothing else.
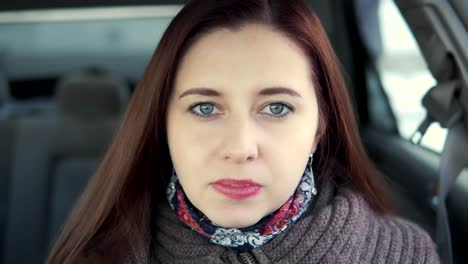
309, 163
171, 188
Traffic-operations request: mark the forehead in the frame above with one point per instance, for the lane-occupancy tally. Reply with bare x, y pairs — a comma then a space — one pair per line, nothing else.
253, 56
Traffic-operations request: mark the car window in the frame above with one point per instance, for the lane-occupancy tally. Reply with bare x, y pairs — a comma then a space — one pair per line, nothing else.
405, 76
120, 39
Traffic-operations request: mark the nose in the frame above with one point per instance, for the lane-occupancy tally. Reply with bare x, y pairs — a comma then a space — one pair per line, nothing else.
240, 144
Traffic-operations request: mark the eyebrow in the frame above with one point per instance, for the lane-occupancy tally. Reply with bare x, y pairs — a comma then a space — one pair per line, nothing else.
263, 92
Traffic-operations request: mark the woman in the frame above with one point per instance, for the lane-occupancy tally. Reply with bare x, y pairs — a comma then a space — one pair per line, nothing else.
239, 146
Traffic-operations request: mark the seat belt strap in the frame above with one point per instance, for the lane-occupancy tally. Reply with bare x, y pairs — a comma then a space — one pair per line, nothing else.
453, 160
443, 106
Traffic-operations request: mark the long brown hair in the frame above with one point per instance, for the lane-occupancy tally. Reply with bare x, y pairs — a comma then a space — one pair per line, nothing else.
114, 214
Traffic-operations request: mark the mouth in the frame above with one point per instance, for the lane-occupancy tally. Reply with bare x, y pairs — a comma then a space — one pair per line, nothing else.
237, 189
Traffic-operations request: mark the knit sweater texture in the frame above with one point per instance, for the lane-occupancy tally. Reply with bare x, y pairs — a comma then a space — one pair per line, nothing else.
339, 227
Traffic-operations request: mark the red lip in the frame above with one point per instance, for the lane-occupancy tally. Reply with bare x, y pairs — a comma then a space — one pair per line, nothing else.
237, 189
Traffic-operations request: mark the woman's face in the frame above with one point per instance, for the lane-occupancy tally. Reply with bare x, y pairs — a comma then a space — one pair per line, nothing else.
241, 123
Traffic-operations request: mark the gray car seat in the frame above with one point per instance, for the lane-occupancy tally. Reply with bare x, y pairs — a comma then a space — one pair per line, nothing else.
55, 155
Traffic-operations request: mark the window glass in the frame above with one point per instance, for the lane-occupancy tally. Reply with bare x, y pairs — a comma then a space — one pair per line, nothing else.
42, 43
405, 76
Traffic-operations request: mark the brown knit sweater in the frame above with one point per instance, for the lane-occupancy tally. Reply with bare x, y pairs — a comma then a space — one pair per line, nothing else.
339, 227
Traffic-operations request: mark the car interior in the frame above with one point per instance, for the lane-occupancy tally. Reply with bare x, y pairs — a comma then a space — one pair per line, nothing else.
68, 69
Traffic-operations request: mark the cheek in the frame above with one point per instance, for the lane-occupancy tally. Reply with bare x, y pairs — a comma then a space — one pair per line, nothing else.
295, 136
183, 131
184, 146
288, 152
189, 144
194, 141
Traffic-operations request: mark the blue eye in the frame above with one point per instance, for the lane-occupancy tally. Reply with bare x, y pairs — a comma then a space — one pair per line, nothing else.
275, 110
203, 109
278, 110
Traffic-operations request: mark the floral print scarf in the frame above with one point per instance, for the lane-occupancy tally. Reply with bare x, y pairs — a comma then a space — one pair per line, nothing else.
244, 239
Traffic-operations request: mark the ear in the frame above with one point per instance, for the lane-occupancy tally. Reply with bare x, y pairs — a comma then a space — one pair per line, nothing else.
318, 134
317, 139
314, 147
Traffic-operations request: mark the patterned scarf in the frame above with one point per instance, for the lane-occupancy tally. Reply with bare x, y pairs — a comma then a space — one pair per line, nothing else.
247, 238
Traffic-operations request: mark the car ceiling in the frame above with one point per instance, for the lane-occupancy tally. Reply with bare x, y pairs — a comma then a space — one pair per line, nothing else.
31, 4
459, 5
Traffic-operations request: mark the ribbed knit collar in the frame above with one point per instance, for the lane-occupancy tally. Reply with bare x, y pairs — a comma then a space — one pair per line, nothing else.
338, 227
176, 243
